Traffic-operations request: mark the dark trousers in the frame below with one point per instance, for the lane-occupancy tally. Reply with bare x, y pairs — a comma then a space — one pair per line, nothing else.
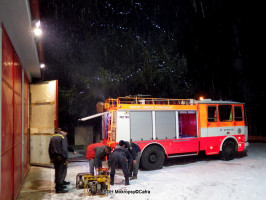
135, 168
65, 173
118, 159
60, 170
91, 164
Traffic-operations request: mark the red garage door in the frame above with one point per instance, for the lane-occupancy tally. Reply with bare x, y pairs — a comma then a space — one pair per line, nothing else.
7, 152
11, 130
17, 115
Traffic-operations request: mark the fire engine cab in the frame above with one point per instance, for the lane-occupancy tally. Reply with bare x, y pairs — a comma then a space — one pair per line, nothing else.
167, 128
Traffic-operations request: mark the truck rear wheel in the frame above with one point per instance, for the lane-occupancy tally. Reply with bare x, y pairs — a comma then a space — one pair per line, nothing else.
229, 150
152, 158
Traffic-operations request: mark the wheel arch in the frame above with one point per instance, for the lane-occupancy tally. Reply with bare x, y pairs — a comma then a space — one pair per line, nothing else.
153, 144
229, 138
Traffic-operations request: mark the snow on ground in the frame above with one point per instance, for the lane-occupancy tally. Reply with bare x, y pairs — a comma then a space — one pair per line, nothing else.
199, 177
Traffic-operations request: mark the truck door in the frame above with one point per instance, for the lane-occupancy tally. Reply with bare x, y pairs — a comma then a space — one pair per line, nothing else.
239, 124
214, 130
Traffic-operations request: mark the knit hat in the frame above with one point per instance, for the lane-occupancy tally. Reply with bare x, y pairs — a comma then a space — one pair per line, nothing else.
64, 129
121, 143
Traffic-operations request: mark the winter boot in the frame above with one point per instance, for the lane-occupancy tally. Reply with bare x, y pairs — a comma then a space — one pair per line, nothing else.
126, 180
66, 183
133, 177
60, 189
112, 180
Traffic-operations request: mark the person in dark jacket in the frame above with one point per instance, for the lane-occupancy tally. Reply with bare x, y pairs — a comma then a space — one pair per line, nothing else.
96, 153
58, 153
135, 151
120, 156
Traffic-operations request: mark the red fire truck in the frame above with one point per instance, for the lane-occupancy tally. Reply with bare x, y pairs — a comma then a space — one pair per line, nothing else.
167, 128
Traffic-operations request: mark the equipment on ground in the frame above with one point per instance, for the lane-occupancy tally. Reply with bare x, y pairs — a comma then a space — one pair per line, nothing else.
94, 184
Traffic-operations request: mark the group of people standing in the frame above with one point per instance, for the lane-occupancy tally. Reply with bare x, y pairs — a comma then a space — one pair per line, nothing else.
125, 156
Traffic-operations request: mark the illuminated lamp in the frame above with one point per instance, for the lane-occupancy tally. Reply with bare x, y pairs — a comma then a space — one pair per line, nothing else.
42, 65
37, 31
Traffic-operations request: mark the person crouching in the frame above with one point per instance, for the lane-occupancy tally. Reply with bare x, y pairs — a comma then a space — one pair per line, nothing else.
120, 156
95, 154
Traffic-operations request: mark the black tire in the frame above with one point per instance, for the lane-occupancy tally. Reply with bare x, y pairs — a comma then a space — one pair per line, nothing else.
152, 158
228, 150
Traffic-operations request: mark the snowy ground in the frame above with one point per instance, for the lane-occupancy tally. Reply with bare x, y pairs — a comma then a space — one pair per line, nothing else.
198, 177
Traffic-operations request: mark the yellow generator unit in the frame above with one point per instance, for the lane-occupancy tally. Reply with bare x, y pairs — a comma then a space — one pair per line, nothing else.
94, 185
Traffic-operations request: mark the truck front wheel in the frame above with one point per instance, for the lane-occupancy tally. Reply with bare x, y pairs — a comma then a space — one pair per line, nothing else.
152, 158
229, 150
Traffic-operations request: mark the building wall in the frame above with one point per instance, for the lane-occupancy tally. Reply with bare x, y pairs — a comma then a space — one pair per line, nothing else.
14, 120
83, 136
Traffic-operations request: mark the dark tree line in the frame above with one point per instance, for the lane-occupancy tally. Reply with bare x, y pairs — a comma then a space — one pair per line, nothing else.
175, 49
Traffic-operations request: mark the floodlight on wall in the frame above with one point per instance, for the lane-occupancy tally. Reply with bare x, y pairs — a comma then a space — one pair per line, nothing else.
42, 65
37, 31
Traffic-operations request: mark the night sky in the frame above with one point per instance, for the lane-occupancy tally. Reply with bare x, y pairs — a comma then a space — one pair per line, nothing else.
174, 49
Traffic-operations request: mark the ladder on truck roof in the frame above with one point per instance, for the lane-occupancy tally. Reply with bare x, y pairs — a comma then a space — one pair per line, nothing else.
112, 103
